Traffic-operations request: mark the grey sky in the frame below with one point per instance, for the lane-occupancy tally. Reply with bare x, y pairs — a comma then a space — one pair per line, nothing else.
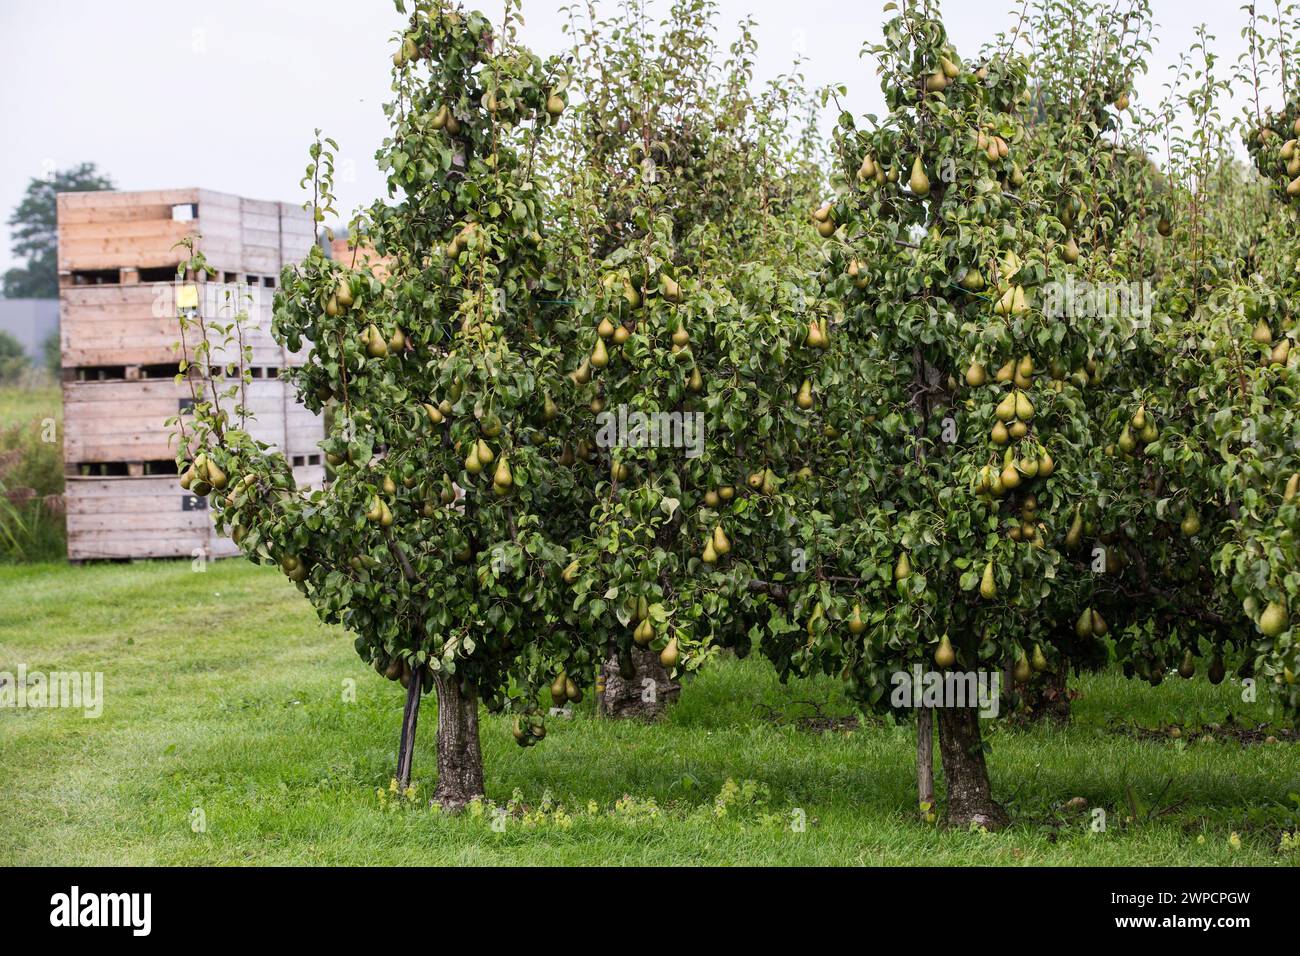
225, 96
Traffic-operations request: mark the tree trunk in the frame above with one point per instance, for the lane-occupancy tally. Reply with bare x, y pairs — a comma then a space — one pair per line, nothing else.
924, 760
410, 717
460, 762
970, 799
645, 695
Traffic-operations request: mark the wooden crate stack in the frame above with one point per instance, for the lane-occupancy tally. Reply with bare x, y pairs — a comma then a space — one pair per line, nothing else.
117, 276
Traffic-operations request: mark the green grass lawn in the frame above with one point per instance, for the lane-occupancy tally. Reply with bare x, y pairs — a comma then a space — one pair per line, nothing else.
223, 694
18, 406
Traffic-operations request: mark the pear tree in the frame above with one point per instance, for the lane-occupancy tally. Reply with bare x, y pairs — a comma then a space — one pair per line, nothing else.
959, 438
442, 538
681, 245
1210, 435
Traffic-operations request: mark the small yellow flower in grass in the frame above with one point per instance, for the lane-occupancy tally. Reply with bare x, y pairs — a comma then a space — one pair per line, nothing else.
1201, 839
1234, 841
593, 807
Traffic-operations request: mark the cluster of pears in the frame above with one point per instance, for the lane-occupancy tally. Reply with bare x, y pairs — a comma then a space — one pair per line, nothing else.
874, 173
763, 481
995, 149
398, 668
617, 333
1020, 372
630, 292
644, 633
565, 689
1026, 666
203, 476
406, 52
294, 567
444, 118
1011, 300
1090, 624
437, 414
378, 512
716, 545
1278, 353
341, 299
857, 272
1014, 414
480, 456
714, 497
1070, 209
1289, 160
1140, 430
947, 70
1030, 530
993, 481
529, 729
824, 219
460, 242
376, 346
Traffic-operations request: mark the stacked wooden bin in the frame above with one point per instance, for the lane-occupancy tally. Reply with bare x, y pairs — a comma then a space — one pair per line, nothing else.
118, 257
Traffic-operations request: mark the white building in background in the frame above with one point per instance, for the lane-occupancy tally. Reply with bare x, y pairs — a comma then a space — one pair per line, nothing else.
31, 322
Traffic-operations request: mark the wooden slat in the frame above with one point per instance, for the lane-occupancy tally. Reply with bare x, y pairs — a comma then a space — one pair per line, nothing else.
125, 421
144, 518
125, 325
111, 198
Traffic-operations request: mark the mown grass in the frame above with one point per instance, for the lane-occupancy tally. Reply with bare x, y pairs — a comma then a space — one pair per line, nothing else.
225, 695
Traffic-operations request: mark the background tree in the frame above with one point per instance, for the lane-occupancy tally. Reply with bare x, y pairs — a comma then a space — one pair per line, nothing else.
682, 258
33, 230
13, 358
1082, 60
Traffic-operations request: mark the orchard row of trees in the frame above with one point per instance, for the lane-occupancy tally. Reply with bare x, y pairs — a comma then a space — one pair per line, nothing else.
899, 418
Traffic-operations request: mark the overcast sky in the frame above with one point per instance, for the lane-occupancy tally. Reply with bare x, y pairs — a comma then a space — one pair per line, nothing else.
161, 96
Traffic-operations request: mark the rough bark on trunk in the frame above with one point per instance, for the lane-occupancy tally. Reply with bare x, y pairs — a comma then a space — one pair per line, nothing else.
410, 717
970, 798
645, 695
460, 762
924, 760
